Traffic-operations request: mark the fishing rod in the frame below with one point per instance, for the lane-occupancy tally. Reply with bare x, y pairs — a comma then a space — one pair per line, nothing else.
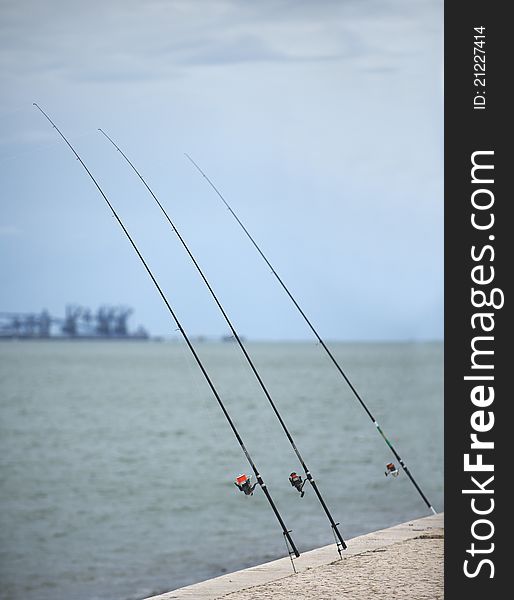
295, 479
286, 532
322, 343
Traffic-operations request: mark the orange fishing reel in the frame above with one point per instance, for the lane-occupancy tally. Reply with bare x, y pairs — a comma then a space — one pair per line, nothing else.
244, 484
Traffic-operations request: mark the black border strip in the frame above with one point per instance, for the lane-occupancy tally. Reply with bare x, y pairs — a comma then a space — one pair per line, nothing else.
470, 128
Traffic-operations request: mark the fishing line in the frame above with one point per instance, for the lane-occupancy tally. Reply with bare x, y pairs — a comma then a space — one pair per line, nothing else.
295, 480
285, 531
320, 340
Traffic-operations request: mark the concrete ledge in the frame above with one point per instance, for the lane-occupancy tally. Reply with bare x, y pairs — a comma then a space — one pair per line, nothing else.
279, 569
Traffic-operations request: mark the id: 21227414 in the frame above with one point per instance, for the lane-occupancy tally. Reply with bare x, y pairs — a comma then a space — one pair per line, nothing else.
479, 68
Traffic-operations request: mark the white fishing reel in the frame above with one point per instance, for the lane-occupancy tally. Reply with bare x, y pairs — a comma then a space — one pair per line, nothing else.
391, 470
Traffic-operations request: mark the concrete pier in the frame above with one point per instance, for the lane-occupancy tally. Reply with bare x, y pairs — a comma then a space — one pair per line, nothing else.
404, 562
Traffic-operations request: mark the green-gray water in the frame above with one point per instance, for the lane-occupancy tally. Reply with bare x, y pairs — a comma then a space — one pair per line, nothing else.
117, 465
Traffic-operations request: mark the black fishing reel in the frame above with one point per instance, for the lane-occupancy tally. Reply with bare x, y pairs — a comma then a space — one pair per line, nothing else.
244, 484
297, 482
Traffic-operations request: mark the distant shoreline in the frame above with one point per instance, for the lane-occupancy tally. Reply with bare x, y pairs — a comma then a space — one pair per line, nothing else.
208, 340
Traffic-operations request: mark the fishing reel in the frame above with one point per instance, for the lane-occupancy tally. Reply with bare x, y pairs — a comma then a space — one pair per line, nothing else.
244, 484
296, 481
391, 470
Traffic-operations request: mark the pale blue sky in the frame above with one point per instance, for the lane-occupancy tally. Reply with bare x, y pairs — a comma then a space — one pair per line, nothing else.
321, 122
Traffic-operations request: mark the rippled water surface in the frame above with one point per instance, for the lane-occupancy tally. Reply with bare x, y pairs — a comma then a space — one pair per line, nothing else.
117, 464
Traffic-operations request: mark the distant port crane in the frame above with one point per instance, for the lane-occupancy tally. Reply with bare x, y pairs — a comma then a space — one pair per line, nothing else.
78, 322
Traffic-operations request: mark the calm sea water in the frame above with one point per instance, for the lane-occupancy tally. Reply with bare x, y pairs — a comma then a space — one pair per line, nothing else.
117, 464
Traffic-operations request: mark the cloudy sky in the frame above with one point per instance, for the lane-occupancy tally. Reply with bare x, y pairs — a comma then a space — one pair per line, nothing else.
321, 122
